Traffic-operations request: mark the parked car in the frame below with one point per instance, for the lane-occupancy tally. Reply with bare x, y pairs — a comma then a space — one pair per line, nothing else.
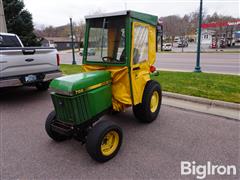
91, 52
167, 47
30, 66
182, 43
176, 39
81, 52
190, 40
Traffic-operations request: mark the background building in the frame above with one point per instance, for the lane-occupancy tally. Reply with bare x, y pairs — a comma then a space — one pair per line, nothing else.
207, 37
221, 34
3, 27
60, 43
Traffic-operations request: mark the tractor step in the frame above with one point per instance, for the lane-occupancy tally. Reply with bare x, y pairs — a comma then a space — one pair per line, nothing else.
63, 128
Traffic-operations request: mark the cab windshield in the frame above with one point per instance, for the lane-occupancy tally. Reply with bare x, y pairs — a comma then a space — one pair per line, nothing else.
106, 41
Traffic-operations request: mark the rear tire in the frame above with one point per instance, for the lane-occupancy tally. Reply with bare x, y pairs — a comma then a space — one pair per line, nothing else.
52, 134
104, 141
42, 86
148, 110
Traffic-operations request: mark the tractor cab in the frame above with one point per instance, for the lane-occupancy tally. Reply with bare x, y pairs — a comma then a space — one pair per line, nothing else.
124, 38
124, 44
118, 57
106, 35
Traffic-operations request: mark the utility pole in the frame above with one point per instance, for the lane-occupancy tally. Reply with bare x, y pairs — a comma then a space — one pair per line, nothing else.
73, 45
3, 27
197, 67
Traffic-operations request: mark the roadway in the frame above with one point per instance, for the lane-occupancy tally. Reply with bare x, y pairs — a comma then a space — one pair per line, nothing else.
148, 150
228, 63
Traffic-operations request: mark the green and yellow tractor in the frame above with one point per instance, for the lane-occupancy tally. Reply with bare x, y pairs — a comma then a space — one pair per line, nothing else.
116, 76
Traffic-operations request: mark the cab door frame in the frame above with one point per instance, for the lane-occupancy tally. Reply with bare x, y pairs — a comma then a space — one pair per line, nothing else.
139, 71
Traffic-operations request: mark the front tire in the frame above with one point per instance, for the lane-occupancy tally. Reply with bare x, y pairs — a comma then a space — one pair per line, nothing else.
52, 134
148, 110
104, 141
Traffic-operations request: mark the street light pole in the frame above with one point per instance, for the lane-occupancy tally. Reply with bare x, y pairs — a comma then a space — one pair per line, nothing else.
197, 67
73, 52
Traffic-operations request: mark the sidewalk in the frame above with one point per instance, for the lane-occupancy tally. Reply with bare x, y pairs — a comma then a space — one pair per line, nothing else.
203, 105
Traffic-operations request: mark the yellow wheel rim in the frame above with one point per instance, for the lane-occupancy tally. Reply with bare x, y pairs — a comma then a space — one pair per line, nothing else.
154, 101
110, 143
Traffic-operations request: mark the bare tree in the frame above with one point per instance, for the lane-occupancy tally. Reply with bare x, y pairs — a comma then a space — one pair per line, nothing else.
183, 29
170, 26
96, 12
79, 32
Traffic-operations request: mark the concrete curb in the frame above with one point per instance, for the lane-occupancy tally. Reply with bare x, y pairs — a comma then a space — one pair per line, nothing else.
203, 100
203, 105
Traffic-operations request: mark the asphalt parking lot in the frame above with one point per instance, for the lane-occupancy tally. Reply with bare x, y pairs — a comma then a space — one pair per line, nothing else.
148, 151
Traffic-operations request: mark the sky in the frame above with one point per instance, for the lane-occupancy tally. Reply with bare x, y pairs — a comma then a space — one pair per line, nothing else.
58, 12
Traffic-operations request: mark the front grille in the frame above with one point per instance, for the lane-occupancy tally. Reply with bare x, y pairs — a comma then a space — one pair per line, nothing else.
71, 109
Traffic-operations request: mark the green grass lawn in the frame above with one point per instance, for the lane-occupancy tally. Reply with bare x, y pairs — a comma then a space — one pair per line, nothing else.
70, 69
207, 85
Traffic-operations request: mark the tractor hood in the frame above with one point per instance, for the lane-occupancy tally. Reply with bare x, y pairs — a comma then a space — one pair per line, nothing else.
78, 83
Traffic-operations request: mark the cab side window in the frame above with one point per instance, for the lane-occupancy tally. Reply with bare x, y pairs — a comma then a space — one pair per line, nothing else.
140, 50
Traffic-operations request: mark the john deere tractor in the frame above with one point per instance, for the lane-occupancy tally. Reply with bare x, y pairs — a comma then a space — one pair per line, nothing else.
117, 76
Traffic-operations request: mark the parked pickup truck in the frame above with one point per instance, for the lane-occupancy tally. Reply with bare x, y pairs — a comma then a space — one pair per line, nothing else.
30, 66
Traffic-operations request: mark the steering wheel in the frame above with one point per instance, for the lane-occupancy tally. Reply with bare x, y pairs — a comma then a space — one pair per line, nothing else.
105, 58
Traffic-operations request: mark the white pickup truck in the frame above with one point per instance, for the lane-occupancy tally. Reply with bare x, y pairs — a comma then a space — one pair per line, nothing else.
30, 66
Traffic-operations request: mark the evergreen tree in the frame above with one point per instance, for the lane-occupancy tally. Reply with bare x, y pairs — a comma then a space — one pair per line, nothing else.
19, 21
